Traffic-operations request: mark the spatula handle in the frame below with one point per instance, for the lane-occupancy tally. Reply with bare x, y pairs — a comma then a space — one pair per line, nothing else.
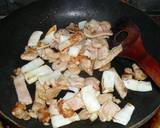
151, 67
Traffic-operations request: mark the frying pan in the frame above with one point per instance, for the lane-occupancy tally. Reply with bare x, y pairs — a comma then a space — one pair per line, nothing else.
16, 29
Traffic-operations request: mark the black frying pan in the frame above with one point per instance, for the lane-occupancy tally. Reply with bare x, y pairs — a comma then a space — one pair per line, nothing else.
16, 29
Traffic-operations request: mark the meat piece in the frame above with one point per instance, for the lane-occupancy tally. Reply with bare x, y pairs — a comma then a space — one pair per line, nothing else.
111, 55
53, 108
59, 65
86, 65
22, 91
64, 109
44, 116
119, 85
77, 37
105, 67
74, 68
20, 112
99, 43
95, 29
123, 116
103, 53
84, 114
29, 54
138, 73
108, 111
92, 81
75, 102
127, 76
103, 98
72, 28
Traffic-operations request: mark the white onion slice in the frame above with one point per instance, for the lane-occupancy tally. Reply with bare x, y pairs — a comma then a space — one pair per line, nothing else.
32, 65
89, 98
108, 81
135, 85
48, 38
74, 50
59, 121
124, 115
64, 38
69, 95
34, 38
33, 75
49, 78
81, 24
74, 89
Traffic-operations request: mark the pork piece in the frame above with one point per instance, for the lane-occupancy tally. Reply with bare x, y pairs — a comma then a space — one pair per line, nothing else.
61, 35
59, 65
72, 28
74, 68
49, 54
84, 114
103, 98
99, 43
75, 102
92, 81
103, 52
53, 108
64, 109
95, 29
123, 116
111, 55
108, 111
20, 112
29, 54
105, 67
119, 85
22, 91
128, 74
77, 37
44, 116
86, 65
138, 73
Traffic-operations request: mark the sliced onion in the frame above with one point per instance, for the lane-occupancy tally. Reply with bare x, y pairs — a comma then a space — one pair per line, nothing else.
74, 89
108, 81
124, 115
135, 85
82, 24
33, 75
32, 65
49, 78
48, 38
64, 38
89, 98
69, 95
59, 121
74, 50
34, 38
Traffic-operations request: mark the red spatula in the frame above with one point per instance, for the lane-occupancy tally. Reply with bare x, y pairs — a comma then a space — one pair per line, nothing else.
133, 48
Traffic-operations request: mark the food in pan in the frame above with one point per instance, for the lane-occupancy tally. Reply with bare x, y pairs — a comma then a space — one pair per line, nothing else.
55, 64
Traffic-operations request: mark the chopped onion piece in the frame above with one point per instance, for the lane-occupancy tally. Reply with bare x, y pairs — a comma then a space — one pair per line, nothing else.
34, 38
49, 78
36, 63
68, 95
108, 81
33, 75
82, 24
93, 116
135, 85
89, 98
59, 121
124, 115
48, 38
64, 38
74, 50
74, 89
